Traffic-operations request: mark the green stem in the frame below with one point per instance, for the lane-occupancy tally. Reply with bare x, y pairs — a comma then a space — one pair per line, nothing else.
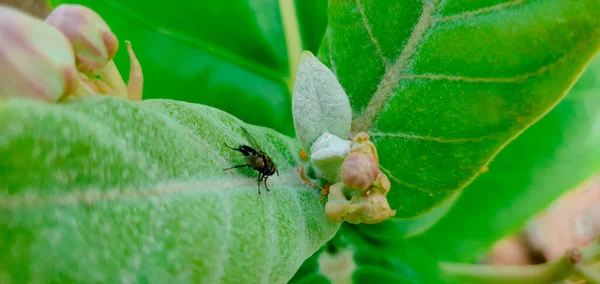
543, 273
588, 273
293, 42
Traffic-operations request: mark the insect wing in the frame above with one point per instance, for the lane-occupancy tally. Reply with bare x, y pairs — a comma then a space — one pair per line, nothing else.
251, 139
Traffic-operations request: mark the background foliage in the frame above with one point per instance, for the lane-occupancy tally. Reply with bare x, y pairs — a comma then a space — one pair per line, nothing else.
232, 55
470, 77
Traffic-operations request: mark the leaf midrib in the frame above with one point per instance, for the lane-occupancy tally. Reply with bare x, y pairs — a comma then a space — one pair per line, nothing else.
392, 75
28, 200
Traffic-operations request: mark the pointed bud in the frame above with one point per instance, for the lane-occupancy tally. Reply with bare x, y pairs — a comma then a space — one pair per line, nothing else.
36, 60
93, 41
135, 85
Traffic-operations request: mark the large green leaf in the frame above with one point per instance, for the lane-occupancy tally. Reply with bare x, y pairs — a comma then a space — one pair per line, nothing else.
442, 86
106, 190
239, 56
553, 156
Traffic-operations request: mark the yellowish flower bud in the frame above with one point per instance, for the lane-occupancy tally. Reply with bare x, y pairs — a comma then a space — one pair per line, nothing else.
36, 60
381, 184
375, 209
93, 41
362, 144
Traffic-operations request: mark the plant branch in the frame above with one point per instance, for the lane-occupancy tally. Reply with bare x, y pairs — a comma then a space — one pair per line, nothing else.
543, 273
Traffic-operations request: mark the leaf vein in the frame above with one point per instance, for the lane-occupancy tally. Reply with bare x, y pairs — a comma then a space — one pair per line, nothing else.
369, 28
271, 240
389, 174
516, 79
433, 138
32, 199
477, 12
227, 213
392, 75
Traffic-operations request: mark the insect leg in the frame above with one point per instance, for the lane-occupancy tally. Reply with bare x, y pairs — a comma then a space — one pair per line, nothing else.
266, 183
238, 166
259, 180
230, 147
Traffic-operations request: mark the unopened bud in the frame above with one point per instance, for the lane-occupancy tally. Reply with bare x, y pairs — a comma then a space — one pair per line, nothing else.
359, 171
360, 196
36, 60
361, 166
93, 41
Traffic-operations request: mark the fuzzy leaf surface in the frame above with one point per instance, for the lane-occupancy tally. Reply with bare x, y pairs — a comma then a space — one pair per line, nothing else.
101, 189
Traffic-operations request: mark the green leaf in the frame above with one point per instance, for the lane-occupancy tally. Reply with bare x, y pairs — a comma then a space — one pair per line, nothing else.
373, 261
239, 56
442, 86
107, 190
553, 156
320, 104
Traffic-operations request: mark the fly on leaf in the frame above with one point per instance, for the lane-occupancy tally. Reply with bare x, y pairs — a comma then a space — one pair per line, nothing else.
255, 158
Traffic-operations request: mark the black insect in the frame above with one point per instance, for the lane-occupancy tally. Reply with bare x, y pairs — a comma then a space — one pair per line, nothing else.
255, 158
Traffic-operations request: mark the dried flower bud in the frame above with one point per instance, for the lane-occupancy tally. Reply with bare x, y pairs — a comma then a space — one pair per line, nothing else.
338, 208
381, 184
93, 41
376, 209
36, 60
365, 208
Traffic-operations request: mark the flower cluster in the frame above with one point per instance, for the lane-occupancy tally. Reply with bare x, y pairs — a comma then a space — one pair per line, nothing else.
69, 54
360, 195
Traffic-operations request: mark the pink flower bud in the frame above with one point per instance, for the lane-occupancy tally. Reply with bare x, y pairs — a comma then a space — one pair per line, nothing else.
359, 171
93, 41
361, 167
36, 60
